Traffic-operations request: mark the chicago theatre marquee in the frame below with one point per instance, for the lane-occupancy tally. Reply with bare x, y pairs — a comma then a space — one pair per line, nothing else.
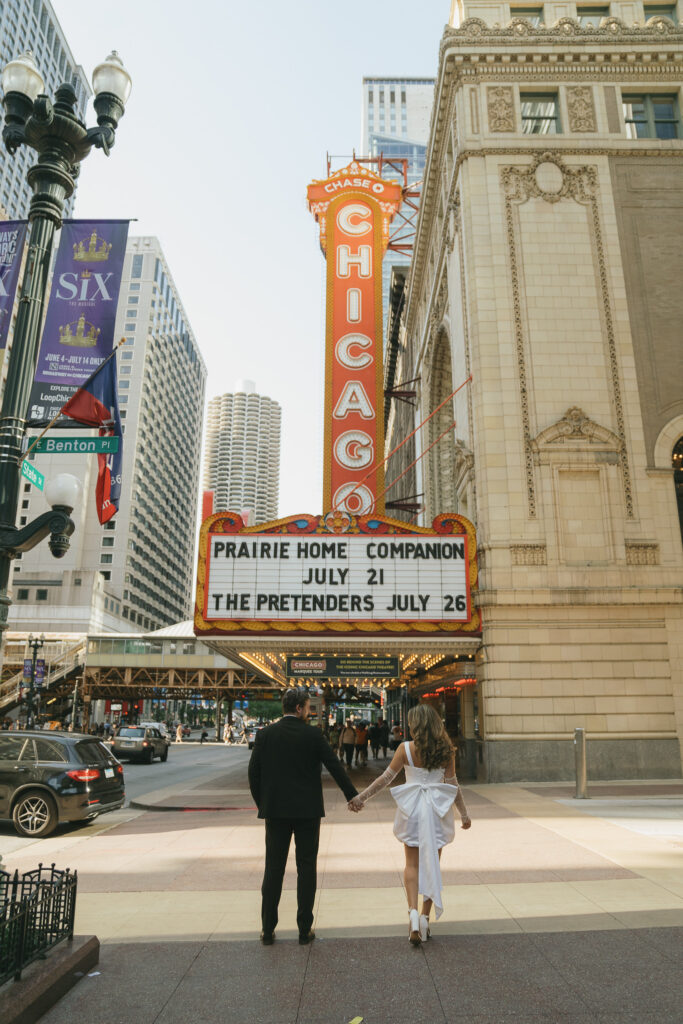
350, 582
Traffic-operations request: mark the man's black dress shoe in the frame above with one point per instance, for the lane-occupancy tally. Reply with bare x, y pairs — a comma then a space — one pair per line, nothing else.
304, 939
267, 938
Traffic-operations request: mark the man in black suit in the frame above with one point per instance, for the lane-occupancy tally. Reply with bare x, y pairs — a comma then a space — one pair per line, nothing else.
286, 784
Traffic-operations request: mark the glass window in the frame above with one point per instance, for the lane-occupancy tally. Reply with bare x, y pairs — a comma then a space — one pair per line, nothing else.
133, 300
592, 15
136, 268
92, 752
22, 594
130, 327
661, 11
11, 747
41, 595
677, 463
540, 115
50, 750
127, 354
106, 559
534, 14
134, 288
107, 542
124, 383
652, 116
131, 312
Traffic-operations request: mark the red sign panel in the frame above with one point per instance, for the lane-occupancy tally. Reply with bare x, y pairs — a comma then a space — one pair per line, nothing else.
354, 208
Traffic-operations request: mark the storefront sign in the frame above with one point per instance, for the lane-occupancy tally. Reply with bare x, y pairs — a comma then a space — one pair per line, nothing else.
375, 575
354, 208
343, 668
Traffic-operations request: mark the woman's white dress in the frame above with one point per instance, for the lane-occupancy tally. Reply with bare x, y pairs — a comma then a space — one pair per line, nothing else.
424, 818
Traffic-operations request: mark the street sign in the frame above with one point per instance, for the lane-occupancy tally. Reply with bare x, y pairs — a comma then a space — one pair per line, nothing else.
343, 668
75, 445
32, 474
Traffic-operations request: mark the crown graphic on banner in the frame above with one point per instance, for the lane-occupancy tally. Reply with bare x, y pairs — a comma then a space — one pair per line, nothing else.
80, 336
92, 250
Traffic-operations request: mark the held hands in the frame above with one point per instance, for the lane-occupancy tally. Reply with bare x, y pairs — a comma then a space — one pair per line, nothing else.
356, 804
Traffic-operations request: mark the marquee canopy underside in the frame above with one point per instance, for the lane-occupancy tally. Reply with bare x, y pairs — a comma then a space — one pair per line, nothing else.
267, 654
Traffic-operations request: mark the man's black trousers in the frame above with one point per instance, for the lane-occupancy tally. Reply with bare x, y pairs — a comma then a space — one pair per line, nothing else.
279, 832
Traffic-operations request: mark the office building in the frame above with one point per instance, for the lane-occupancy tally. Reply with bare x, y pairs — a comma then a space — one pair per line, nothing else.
395, 121
547, 267
33, 25
136, 572
242, 458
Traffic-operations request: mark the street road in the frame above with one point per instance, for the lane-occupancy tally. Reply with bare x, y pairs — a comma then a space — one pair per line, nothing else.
187, 763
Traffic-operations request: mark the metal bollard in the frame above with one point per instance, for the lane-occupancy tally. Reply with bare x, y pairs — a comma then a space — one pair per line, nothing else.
580, 761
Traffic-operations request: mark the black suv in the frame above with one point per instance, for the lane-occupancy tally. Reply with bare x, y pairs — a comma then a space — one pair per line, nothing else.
46, 778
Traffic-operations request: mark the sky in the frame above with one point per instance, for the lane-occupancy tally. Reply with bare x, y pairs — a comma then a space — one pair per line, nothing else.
233, 109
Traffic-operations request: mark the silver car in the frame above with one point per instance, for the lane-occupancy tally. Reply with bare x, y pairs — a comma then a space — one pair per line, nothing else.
140, 743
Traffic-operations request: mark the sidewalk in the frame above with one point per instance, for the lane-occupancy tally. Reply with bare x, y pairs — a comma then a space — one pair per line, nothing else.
555, 911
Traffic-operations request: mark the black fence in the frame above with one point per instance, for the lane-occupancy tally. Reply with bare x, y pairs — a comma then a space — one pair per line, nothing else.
37, 911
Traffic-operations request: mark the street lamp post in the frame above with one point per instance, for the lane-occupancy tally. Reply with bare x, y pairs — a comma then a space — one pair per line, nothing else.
61, 141
35, 643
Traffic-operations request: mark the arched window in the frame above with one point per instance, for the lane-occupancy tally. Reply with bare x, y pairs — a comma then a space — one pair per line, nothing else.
677, 462
441, 462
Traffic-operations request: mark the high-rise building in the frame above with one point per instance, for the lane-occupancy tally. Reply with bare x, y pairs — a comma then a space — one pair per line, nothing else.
242, 459
135, 572
545, 274
395, 125
33, 25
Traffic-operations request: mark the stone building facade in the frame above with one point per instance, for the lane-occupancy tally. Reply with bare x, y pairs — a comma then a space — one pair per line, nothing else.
547, 267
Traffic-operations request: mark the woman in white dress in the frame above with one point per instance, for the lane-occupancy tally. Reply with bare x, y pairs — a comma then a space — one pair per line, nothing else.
424, 820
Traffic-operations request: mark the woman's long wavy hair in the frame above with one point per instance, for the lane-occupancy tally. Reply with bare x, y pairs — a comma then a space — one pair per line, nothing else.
432, 743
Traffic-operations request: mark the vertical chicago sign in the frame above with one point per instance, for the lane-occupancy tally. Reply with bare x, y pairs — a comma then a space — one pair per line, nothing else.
354, 208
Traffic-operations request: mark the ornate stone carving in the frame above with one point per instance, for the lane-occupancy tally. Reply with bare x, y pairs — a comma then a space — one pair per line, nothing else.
528, 554
642, 553
581, 109
576, 426
501, 108
474, 30
579, 184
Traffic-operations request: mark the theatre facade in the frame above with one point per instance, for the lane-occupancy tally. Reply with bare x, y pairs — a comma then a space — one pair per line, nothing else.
546, 271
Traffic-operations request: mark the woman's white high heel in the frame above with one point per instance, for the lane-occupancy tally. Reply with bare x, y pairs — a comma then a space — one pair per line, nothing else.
414, 935
424, 927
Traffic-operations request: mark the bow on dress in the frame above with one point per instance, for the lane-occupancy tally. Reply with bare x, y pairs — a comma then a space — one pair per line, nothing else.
431, 801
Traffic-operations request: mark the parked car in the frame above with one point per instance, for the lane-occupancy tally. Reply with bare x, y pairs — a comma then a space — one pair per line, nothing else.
47, 778
140, 743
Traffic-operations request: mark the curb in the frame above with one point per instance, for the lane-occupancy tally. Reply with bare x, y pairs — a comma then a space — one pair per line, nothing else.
44, 982
138, 806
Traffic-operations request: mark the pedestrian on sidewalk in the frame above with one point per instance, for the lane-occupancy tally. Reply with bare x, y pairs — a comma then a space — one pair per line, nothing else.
424, 820
347, 743
383, 736
204, 736
286, 784
179, 733
361, 745
373, 736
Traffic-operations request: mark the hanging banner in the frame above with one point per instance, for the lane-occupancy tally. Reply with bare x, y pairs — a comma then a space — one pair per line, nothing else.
12, 239
354, 208
81, 313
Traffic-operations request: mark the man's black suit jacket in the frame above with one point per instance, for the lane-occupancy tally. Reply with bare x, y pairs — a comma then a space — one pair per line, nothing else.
285, 770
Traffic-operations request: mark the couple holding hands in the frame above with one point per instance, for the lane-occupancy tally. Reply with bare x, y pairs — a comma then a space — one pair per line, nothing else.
286, 784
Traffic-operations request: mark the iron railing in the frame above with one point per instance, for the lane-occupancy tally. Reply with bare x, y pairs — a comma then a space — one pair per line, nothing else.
37, 910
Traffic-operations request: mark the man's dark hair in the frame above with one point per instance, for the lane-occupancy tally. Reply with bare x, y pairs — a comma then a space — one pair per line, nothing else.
294, 697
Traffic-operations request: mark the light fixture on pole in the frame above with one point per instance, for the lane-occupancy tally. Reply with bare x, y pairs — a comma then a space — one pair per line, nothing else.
61, 142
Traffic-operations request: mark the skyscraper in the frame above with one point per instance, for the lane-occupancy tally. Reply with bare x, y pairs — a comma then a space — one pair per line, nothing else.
136, 572
33, 25
395, 124
242, 460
